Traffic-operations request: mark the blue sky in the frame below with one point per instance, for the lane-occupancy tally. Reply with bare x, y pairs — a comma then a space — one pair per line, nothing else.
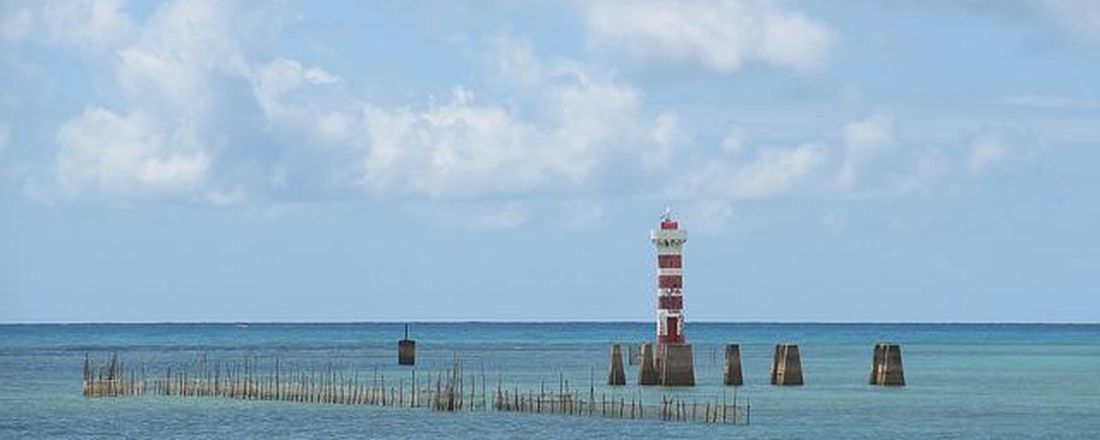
193, 160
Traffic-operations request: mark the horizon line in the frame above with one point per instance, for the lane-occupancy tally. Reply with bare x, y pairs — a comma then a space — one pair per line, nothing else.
523, 321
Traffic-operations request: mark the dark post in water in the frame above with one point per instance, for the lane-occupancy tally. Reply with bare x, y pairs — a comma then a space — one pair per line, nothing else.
406, 350
731, 372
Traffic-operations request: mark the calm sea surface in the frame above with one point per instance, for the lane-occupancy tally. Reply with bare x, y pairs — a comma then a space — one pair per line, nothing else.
964, 381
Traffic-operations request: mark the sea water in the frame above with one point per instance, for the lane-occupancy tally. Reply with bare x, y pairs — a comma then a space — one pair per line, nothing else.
963, 380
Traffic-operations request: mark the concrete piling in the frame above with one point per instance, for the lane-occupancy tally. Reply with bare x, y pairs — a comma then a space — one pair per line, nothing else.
406, 350
615, 373
647, 370
886, 367
787, 365
731, 371
677, 365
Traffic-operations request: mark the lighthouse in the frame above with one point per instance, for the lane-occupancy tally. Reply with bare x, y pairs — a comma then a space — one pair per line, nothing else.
669, 240
674, 360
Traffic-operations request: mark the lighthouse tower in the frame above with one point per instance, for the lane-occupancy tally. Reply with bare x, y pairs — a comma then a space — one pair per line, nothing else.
674, 362
669, 240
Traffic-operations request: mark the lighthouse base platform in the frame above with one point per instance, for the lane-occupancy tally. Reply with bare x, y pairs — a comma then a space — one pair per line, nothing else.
676, 365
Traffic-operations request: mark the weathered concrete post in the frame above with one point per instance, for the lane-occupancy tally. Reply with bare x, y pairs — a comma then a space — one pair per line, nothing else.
615, 373
731, 372
647, 370
406, 350
886, 368
677, 365
787, 365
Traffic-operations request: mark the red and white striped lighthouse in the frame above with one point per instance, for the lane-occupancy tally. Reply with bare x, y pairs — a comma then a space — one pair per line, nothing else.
669, 240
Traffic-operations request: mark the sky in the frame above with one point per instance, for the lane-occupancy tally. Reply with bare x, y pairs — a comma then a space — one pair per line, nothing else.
194, 160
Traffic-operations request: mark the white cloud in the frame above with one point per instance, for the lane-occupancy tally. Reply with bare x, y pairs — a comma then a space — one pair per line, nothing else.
868, 134
667, 133
183, 66
541, 126
177, 72
880, 162
719, 35
708, 216
986, 152
334, 126
1080, 18
187, 54
863, 141
273, 80
770, 172
458, 149
160, 79
561, 127
104, 154
775, 171
733, 142
5, 137
589, 114
82, 23
566, 121
516, 61
870, 161
305, 103
16, 20
100, 23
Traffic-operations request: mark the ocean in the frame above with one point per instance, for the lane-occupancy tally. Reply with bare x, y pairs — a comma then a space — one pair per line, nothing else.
963, 380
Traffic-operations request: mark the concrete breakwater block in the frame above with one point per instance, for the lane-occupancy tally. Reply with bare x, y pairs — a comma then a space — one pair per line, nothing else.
647, 367
615, 373
677, 365
731, 368
787, 365
886, 368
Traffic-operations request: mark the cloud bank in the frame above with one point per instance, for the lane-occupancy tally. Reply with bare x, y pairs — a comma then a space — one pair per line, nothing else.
722, 36
199, 106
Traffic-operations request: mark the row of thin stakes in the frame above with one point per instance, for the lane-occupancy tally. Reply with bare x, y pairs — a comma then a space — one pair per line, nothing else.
451, 390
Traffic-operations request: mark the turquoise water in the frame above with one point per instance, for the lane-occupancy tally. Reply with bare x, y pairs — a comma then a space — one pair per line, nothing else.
964, 380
